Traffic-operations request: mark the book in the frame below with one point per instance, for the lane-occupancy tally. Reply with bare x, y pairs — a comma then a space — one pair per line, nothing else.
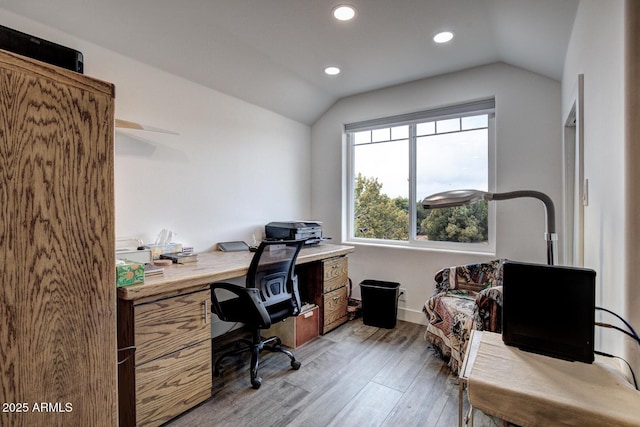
152, 270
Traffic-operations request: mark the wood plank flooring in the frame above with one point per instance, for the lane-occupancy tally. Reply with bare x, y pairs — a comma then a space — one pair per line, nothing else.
356, 375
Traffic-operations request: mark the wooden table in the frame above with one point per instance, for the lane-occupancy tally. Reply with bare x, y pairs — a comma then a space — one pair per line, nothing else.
533, 390
463, 379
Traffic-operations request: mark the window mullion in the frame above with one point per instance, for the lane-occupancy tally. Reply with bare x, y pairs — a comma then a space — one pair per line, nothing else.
412, 183
351, 185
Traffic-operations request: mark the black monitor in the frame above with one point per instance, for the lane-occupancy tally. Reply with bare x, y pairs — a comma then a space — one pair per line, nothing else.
549, 310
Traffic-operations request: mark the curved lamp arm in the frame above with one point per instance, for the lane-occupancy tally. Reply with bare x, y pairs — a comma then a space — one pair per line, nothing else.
453, 198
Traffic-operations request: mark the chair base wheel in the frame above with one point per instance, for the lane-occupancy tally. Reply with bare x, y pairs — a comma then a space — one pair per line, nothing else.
295, 365
256, 383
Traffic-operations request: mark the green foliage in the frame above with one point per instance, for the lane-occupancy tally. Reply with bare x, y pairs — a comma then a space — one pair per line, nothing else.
466, 224
421, 213
377, 216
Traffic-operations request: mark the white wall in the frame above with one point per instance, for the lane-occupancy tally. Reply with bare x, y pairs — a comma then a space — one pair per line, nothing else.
528, 131
233, 168
596, 50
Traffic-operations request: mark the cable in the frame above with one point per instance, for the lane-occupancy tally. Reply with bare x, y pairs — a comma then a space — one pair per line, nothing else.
606, 325
631, 334
635, 383
624, 321
131, 347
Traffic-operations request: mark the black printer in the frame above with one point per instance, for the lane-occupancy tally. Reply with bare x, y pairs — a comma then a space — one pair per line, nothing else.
309, 231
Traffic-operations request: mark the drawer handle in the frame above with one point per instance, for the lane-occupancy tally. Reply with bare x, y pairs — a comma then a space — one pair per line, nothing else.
206, 312
336, 298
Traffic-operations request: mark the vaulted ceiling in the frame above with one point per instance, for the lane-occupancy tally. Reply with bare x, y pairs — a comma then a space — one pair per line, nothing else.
272, 53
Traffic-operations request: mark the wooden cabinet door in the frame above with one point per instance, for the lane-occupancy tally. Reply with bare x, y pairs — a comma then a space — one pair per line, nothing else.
170, 385
335, 274
57, 246
173, 356
168, 325
335, 309
335, 298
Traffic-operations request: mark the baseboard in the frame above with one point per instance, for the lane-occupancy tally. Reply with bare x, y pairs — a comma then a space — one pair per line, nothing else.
413, 316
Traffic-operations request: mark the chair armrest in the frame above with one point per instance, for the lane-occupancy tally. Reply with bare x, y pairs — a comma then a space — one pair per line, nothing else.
487, 311
249, 297
493, 293
442, 280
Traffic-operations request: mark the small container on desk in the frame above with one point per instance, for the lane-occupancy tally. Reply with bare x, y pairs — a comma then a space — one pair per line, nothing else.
129, 273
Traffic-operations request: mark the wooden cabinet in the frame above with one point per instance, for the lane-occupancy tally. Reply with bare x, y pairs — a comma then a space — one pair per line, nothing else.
170, 370
325, 283
57, 257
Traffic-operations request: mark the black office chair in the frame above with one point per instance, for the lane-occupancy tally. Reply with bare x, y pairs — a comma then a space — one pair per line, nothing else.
270, 295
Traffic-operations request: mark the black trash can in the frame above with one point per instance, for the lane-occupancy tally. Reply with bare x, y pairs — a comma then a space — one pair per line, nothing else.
379, 303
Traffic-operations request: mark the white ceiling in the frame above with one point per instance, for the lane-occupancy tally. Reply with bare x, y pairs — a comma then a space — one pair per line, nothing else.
272, 53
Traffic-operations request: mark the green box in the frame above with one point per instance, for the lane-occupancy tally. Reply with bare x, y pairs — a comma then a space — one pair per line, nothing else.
130, 273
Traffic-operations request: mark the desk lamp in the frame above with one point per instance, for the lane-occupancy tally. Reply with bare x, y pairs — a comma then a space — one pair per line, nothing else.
454, 198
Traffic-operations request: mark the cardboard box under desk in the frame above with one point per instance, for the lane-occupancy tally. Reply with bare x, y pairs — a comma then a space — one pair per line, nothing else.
295, 331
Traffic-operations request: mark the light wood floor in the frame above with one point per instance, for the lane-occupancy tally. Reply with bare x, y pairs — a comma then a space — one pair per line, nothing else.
356, 375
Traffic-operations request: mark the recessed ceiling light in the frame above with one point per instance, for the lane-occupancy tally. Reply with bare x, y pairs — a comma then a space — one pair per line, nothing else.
443, 37
344, 12
332, 71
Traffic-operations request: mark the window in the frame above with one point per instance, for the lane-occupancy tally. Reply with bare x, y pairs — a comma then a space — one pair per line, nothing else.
395, 162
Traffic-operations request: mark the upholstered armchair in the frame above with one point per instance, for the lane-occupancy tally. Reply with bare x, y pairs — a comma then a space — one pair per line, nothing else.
466, 297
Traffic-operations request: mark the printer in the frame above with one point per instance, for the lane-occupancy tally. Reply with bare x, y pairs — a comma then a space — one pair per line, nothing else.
309, 231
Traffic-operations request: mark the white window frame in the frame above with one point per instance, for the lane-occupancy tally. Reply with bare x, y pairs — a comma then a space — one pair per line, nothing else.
461, 110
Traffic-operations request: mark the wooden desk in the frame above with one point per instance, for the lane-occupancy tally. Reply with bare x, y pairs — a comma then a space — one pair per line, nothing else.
168, 321
534, 390
212, 267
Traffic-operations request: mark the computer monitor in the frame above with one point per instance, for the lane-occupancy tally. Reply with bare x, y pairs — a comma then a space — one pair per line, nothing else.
549, 310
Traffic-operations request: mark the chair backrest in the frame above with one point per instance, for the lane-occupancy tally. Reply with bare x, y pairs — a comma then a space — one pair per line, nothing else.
470, 277
272, 272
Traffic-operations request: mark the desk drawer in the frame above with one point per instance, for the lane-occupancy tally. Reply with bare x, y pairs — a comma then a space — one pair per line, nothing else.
171, 324
335, 309
336, 274
168, 386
